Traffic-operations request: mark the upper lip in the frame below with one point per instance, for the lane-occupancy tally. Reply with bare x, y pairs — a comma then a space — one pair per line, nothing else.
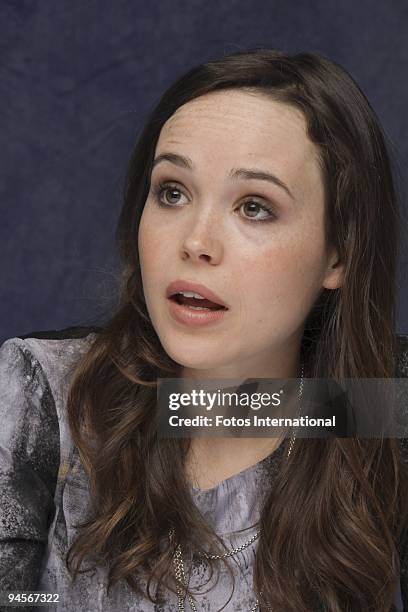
181, 285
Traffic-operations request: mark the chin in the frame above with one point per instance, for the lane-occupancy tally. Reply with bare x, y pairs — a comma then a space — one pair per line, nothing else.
194, 362
194, 356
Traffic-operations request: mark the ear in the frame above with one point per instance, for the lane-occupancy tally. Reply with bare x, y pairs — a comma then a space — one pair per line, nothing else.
334, 276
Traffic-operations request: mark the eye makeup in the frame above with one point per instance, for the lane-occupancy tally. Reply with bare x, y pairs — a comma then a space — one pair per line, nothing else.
160, 188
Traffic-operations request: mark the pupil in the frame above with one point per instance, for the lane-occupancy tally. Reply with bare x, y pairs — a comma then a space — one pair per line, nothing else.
172, 192
252, 207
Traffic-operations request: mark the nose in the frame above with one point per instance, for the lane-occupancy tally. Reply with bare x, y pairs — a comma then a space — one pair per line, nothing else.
202, 242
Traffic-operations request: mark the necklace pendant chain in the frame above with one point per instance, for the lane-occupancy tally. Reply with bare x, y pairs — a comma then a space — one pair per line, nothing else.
178, 556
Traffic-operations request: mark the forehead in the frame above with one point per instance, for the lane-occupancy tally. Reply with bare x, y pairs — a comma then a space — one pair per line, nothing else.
225, 129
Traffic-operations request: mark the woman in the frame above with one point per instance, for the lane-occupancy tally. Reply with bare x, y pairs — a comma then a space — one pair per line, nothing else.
258, 237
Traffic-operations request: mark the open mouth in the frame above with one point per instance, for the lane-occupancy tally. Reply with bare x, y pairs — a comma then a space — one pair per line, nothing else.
195, 303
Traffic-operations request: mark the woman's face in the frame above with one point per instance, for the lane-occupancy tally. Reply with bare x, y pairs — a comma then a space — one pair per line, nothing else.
241, 213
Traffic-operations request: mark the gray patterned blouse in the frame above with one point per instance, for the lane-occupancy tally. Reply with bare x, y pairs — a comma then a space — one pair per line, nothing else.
44, 493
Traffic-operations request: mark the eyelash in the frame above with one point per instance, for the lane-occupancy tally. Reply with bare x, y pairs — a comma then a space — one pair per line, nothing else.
163, 187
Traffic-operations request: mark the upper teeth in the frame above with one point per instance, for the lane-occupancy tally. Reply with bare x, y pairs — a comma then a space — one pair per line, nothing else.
192, 294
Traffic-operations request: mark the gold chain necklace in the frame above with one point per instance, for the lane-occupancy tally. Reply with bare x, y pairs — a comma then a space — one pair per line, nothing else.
178, 562
181, 576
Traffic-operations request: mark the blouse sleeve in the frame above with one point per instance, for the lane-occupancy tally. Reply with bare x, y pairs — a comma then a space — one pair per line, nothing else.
29, 463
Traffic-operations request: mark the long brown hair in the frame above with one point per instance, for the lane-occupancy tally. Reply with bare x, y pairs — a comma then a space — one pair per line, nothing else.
333, 518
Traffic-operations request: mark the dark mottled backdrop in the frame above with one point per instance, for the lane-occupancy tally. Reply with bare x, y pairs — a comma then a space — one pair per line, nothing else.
77, 79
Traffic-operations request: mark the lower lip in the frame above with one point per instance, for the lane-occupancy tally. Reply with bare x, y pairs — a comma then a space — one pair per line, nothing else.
189, 316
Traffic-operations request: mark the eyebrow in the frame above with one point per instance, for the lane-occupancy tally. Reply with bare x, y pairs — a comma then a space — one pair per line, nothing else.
236, 173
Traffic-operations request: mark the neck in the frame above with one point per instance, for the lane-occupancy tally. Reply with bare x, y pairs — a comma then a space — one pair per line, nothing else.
211, 460
280, 364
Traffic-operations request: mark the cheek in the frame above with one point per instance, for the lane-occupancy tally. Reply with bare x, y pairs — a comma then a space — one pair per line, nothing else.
282, 282
150, 242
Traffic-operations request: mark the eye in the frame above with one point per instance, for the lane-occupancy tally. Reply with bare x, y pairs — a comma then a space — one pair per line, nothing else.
252, 209
167, 194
